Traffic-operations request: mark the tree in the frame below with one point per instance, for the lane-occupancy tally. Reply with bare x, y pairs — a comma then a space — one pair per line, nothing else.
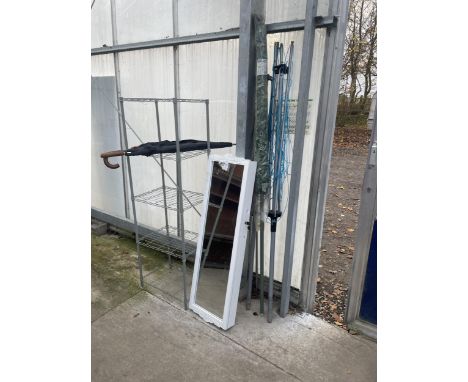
360, 56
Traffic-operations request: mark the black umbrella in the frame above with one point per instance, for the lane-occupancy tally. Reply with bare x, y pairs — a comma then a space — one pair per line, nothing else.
163, 147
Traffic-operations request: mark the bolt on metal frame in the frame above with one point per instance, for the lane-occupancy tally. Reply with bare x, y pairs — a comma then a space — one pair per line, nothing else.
166, 197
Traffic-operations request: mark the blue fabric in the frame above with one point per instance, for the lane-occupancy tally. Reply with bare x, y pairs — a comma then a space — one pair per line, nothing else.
368, 311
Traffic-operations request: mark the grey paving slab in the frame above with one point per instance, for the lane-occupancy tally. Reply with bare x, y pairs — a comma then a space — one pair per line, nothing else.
147, 339
151, 339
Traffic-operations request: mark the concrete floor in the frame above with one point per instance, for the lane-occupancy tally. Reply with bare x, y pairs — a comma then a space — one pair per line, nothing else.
151, 338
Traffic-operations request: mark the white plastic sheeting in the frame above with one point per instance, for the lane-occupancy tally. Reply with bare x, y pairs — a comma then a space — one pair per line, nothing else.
204, 16
287, 10
106, 185
206, 71
143, 20
101, 24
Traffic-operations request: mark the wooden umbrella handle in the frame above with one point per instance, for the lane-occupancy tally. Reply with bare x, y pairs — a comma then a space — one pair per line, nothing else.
109, 154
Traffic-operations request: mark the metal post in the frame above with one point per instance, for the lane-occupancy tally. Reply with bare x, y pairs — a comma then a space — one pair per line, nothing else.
251, 250
163, 177
249, 9
132, 196
207, 113
175, 55
247, 76
262, 264
322, 153
301, 119
118, 91
180, 208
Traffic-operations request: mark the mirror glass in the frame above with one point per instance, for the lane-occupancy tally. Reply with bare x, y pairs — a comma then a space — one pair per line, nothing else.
220, 226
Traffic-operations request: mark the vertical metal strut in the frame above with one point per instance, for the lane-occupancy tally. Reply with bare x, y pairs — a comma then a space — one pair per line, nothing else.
132, 196
296, 166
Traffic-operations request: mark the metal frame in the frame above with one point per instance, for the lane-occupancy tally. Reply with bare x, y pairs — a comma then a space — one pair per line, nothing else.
159, 197
367, 215
240, 236
118, 91
322, 153
296, 166
245, 118
230, 34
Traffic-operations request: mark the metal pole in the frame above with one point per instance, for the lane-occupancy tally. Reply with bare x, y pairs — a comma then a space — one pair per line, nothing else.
118, 91
251, 249
169, 259
322, 152
301, 119
180, 208
207, 113
175, 55
246, 96
132, 195
262, 264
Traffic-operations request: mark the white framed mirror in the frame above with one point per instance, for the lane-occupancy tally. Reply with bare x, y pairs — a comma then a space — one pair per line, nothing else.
222, 238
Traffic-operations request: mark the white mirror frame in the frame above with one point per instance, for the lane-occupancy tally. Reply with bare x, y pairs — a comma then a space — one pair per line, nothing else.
239, 242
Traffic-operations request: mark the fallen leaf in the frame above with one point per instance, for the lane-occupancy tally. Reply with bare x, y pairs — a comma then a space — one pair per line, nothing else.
350, 229
338, 323
334, 231
340, 188
332, 272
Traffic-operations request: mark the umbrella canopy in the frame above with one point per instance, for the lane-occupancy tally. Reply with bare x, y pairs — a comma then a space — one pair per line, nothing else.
163, 147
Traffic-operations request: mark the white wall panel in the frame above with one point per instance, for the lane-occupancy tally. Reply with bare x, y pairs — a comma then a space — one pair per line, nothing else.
102, 65
143, 20
288, 10
101, 24
203, 16
207, 71
106, 184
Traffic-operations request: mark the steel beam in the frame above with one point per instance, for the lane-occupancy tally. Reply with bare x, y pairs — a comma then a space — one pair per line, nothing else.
249, 10
286, 26
331, 74
296, 166
118, 91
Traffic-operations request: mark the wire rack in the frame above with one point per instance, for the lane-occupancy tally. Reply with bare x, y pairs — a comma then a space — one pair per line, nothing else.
170, 244
156, 198
184, 155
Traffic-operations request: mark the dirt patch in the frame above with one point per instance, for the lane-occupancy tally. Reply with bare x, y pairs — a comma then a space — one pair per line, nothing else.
114, 272
341, 220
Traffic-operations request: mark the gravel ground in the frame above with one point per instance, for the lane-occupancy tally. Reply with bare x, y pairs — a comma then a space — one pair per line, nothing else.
340, 225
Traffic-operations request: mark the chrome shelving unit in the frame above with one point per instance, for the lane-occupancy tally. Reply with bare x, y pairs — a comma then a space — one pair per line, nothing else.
176, 242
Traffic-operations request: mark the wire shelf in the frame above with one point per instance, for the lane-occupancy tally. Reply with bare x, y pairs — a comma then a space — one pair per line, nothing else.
184, 155
172, 244
156, 198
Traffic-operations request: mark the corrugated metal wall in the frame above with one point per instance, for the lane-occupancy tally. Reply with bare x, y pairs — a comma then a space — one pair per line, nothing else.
206, 70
